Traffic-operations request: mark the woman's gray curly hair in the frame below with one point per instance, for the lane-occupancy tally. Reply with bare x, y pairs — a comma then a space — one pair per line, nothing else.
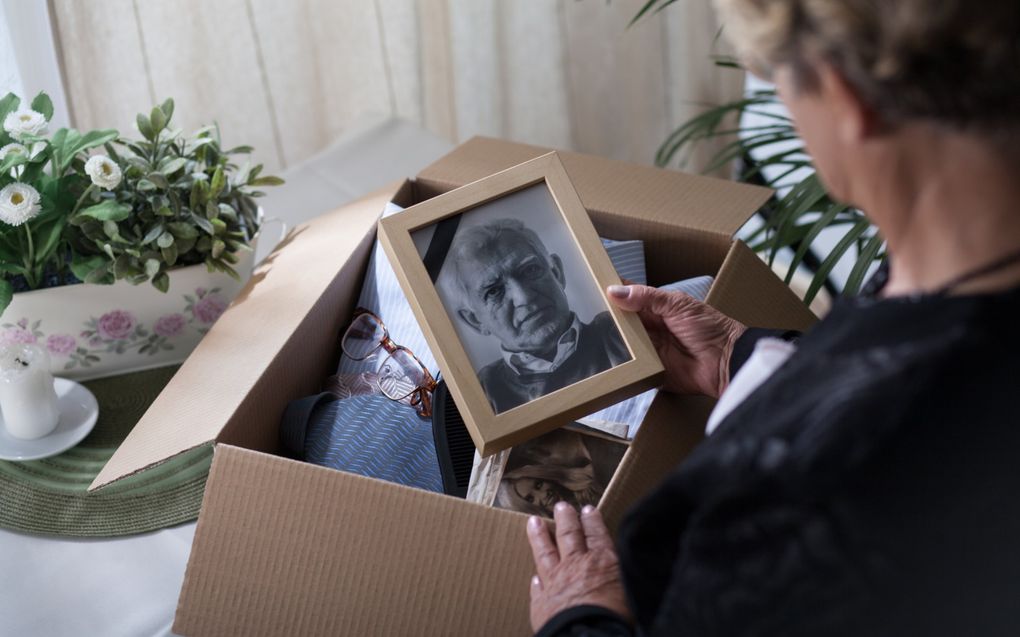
950, 61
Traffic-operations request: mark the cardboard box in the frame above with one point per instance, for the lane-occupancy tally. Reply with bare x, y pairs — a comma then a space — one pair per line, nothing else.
287, 548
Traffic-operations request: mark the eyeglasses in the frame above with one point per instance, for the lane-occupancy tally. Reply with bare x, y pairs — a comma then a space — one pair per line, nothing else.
402, 376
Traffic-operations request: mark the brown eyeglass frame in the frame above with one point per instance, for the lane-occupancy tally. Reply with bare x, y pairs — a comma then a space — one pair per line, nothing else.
421, 396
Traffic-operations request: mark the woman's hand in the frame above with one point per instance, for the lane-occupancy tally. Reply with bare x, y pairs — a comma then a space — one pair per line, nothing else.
693, 339
578, 568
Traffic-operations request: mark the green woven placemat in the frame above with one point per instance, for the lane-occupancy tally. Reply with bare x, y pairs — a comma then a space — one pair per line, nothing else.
49, 496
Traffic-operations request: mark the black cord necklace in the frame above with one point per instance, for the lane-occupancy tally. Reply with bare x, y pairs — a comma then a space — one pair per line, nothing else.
995, 266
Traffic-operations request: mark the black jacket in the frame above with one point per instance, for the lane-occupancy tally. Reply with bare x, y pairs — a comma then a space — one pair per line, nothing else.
870, 487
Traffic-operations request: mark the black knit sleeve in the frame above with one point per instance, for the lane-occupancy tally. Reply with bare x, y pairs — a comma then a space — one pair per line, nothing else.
586, 621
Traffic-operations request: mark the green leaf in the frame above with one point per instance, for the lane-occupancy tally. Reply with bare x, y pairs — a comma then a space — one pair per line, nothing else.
216, 183
649, 6
67, 143
43, 104
158, 179
122, 267
182, 230
108, 210
268, 180
144, 126
12, 160
169, 255
165, 240
217, 248
203, 223
151, 267
168, 108
153, 234
12, 268
830, 261
8, 105
6, 292
100, 275
111, 229
158, 120
46, 239
184, 246
228, 213
161, 282
171, 166
824, 221
864, 260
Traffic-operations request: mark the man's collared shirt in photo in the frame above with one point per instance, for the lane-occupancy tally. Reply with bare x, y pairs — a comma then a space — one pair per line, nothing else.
525, 363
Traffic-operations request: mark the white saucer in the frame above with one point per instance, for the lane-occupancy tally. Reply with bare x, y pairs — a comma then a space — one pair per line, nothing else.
78, 413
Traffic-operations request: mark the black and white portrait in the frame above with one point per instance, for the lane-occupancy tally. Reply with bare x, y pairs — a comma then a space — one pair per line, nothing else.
563, 465
529, 313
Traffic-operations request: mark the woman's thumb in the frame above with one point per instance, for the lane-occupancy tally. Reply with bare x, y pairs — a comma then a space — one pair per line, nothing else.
628, 297
642, 298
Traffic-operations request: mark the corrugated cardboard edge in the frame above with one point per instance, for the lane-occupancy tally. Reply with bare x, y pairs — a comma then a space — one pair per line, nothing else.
711, 205
213, 391
756, 297
413, 563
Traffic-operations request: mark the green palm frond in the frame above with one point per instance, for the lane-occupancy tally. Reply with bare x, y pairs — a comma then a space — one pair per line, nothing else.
796, 219
805, 211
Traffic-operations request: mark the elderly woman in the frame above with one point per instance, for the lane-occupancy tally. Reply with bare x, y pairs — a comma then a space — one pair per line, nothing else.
871, 484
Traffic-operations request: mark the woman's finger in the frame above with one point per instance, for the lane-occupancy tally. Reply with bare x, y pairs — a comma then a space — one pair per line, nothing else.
543, 550
596, 535
639, 298
569, 534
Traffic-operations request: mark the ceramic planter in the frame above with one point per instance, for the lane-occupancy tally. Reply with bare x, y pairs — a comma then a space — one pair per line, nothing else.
102, 330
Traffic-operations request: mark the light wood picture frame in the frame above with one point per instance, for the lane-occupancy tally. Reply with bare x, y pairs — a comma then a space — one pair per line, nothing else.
410, 238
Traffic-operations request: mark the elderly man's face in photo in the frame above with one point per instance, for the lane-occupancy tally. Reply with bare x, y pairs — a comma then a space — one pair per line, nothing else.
513, 292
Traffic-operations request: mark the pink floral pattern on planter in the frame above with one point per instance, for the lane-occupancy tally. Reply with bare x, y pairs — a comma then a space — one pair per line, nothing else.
209, 308
170, 325
118, 331
61, 344
17, 334
21, 332
116, 325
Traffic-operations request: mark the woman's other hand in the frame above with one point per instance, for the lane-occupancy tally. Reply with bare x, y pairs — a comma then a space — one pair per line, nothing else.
693, 339
579, 567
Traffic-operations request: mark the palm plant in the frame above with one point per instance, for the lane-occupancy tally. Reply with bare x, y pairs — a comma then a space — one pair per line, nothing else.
770, 153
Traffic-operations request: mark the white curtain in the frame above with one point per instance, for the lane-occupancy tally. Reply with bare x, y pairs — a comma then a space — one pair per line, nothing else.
290, 77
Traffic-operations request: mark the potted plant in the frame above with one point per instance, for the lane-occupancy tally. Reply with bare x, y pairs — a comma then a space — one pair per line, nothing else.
86, 218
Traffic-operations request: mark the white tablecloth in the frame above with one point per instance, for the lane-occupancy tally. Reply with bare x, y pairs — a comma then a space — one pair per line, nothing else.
51, 587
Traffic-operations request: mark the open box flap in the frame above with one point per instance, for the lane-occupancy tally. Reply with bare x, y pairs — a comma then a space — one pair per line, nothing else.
215, 391
286, 548
607, 186
747, 290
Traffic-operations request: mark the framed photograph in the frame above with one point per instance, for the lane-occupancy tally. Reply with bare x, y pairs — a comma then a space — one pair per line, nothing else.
573, 464
506, 276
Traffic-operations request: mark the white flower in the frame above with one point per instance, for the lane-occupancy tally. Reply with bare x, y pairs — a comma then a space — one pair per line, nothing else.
18, 203
24, 121
10, 149
104, 172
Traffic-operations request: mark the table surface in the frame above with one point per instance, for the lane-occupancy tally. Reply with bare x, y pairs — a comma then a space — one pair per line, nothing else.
129, 586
